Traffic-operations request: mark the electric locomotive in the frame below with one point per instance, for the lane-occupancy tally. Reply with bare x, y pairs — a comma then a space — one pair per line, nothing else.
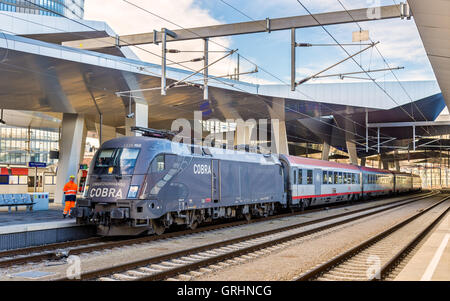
145, 184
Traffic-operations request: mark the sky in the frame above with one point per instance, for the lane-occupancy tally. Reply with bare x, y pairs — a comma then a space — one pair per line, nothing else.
400, 43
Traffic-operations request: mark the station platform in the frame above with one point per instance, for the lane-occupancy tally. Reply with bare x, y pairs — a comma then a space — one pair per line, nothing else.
432, 261
23, 229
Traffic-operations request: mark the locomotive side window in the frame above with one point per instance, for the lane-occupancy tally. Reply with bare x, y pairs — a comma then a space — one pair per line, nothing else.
309, 177
158, 164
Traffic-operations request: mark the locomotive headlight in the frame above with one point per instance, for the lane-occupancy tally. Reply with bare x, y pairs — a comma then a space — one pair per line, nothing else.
132, 193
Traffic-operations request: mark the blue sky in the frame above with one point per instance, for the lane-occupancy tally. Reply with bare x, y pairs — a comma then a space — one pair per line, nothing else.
399, 40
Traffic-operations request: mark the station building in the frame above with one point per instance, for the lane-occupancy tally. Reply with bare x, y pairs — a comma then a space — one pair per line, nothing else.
69, 8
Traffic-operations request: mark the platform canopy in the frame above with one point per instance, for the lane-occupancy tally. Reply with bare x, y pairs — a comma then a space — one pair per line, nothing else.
38, 74
432, 18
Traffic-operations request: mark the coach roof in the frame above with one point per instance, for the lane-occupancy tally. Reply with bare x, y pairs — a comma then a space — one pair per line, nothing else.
318, 163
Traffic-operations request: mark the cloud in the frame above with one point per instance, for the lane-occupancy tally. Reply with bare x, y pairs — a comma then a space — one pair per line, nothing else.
124, 19
400, 42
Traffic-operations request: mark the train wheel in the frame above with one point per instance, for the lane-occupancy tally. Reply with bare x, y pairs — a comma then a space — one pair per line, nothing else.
193, 225
158, 227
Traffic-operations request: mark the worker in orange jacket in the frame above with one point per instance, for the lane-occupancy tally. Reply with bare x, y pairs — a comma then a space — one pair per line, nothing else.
70, 192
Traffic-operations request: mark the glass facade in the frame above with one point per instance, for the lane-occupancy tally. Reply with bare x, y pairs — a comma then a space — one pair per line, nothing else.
19, 146
70, 8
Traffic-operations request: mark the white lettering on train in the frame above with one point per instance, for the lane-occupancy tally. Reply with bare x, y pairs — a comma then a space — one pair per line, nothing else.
202, 169
105, 192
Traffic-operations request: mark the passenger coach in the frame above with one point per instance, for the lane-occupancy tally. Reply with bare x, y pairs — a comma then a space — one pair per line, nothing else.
314, 182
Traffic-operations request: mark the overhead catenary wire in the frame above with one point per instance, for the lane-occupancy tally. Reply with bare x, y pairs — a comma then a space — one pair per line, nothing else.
367, 74
258, 96
300, 113
114, 92
386, 63
281, 80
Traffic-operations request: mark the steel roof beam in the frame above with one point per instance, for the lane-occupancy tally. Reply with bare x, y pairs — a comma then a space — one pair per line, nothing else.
331, 18
408, 124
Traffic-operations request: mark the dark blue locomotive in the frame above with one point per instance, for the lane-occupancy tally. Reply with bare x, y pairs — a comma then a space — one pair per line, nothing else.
138, 184
144, 185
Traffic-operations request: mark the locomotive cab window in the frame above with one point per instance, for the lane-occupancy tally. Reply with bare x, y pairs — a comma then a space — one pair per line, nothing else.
158, 164
116, 161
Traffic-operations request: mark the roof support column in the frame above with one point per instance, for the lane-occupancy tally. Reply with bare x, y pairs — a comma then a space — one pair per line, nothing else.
245, 133
69, 151
363, 161
136, 106
140, 118
325, 151
278, 138
83, 142
396, 161
351, 149
108, 132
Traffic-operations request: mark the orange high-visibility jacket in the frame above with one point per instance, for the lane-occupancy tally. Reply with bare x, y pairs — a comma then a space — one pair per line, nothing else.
70, 188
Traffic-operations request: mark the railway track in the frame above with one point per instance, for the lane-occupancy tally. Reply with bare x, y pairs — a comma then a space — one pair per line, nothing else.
188, 260
377, 257
63, 250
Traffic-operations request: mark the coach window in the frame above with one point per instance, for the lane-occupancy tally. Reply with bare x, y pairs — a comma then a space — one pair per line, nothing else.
340, 178
330, 177
325, 176
335, 177
309, 177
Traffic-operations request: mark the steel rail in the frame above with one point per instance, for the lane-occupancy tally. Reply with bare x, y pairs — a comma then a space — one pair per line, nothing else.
127, 266
323, 268
29, 250
119, 243
397, 258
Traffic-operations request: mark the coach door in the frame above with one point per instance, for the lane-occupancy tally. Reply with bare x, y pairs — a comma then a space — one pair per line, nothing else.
215, 181
317, 181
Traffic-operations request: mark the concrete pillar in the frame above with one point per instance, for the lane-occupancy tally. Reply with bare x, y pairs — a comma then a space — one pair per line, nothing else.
108, 132
83, 142
69, 151
363, 161
279, 134
139, 105
140, 118
396, 161
351, 149
325, 151
246, 132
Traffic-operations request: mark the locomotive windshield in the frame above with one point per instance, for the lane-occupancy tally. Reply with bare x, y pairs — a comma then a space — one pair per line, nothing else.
116, 161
